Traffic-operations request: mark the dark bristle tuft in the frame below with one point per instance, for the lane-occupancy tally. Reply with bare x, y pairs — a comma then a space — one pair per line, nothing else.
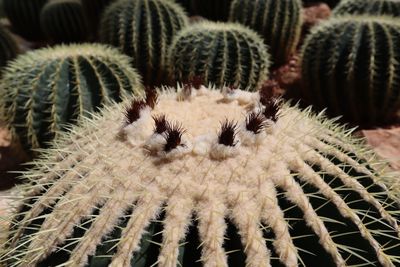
161, 124
196, 82
132, 112
255, 122
268, 92
228, 133
151, 97
271, 110
173, 136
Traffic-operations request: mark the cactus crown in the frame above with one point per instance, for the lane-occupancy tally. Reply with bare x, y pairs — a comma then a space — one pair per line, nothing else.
349, 65
203, 177
370, 7
45, 89
219, 53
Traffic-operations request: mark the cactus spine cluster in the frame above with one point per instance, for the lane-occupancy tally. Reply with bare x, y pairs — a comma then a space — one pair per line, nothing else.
63, 21
220, 54
370, 7
8, 47
45, 89
350, 66
204, 178
24, 16
279, 22
93, 10
143, 29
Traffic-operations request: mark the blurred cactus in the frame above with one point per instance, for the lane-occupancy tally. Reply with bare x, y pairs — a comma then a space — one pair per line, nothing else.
370, 7
8, 47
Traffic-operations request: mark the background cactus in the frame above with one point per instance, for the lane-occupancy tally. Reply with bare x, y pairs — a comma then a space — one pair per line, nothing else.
279, 22
24, 16
350, 66
63, 21
8, 47
93, 10
220, 54
191, 178
43, 90
143, 29
370, 7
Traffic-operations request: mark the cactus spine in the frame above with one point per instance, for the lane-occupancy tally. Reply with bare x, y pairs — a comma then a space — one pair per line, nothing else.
24, 16
45, 89
63, 21
349, 65
279, 22
220, 54
194, 181
8, 47
93, 10
143, 29
370, 7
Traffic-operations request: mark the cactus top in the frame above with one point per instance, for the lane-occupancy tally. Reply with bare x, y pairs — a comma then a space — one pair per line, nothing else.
370, 7
218, 156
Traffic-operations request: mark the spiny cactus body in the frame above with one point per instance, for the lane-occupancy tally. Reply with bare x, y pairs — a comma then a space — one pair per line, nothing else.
63, 21
45, 89
143, 29
350, 66
24, 16
8, 46
370, 7
278, 22
204, 178
220, 54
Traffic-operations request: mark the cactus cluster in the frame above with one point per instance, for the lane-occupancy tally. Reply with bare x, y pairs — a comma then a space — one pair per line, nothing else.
370, 7
350, 65
279, 22
220, 54
206, 178
43, 90
143, 29
8, 47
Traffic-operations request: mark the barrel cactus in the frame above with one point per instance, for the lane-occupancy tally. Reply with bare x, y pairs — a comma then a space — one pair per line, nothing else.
43, 90
93, 10
8, 47
350, 66
207, 178
370, 7
143, 29
219, 53
24, 16
278, 22
63, 21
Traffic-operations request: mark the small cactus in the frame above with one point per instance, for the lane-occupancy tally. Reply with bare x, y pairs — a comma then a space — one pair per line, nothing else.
143, 29
46, 89
204, 178
278, 22
350, 66
63, 21
370, 7
93, 10
8, 46
219, 54
24, 16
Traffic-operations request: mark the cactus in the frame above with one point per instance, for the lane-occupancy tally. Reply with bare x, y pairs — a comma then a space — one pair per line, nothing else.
8, 47
370, 7
204, 178
143, 29
93, 10
279, 22
349, 65
46, 89
24, 16
63, 21
220, 54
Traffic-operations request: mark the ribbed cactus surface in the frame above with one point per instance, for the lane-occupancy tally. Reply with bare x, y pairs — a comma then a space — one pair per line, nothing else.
143, 29
45, 89
350, 66
64, 21
219, 53
370, 7
278, 22
8, 46
204, 178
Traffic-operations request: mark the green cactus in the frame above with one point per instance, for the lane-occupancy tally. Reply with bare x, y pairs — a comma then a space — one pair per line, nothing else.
24, 16
143, 29
8, 47
63, 21
279, 22
370, 7
220, 54
45, 89
93, 10
350, 65
204, 178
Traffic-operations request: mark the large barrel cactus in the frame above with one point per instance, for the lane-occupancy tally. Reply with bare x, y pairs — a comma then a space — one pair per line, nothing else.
278, 22
219, 53
43, 90
370, 7
8, 46
24, 16
350, 66
143, 29
204, 178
